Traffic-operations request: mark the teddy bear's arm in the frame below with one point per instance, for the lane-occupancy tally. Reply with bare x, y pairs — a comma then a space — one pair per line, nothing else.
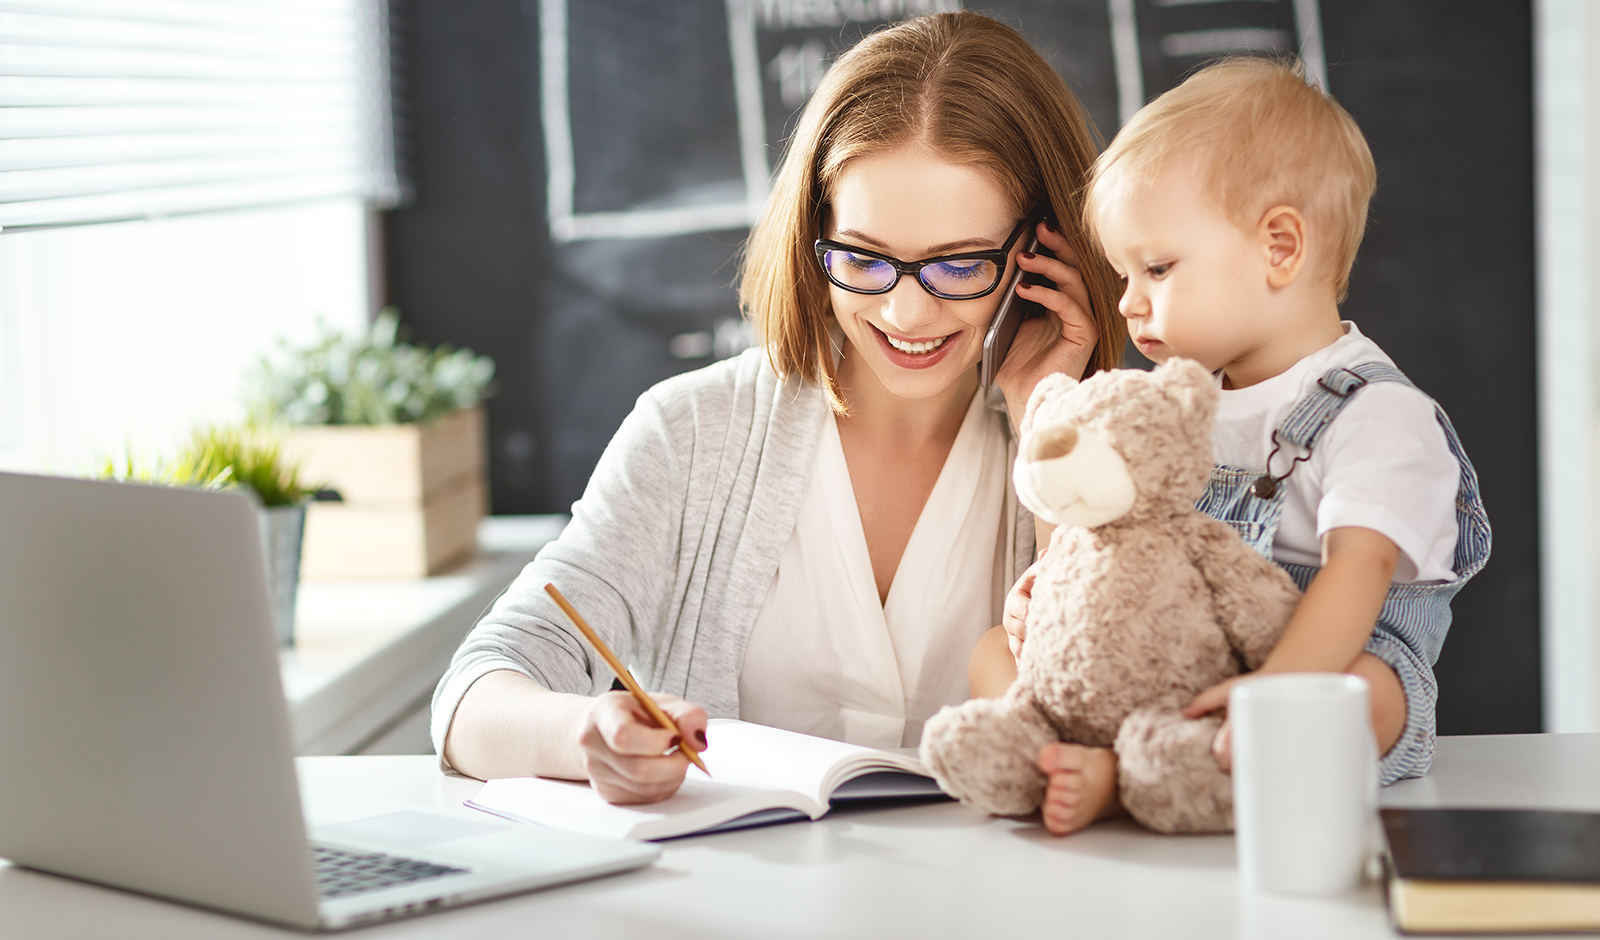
1254, 597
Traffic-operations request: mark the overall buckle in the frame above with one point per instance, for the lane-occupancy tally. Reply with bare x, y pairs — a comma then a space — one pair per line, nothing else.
1348, 382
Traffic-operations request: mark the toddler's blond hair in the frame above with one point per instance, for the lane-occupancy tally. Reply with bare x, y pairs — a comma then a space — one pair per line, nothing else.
1267, 137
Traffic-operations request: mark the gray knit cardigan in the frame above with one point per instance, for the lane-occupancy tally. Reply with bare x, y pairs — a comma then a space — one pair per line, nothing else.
671, 550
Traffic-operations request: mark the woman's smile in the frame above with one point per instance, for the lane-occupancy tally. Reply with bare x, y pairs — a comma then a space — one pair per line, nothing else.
915, 346
909, 352
907, 341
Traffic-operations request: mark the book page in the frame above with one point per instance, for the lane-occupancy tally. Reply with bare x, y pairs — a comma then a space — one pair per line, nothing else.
753, 768
886, 785
699, 804
752, 755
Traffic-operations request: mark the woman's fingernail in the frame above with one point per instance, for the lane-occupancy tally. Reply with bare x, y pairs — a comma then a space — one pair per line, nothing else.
1049, 225
700, 736
1029, 255
675, 742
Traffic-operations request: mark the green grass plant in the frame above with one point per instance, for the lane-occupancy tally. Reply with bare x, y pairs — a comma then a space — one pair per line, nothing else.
245, 457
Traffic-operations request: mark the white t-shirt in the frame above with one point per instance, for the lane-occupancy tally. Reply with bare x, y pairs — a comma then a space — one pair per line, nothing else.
1383, 463
825, 657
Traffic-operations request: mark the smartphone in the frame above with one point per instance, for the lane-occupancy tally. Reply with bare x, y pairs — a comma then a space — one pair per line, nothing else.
1012, 311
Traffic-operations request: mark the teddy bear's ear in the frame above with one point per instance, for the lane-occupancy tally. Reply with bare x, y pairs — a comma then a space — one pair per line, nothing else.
1189, 384
1056, 383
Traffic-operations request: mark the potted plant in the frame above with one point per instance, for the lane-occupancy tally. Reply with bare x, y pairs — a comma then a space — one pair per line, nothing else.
252, 461
397, 431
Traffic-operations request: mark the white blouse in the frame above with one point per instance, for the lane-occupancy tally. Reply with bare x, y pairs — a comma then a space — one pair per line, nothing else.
825, 657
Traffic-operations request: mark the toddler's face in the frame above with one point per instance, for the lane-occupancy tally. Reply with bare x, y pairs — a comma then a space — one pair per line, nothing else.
1197, 282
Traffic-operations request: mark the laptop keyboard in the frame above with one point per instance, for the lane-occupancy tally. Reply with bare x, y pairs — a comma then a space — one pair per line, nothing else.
343, 872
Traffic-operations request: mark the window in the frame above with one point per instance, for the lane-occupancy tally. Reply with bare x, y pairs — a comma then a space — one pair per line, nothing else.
9, 406
132, 109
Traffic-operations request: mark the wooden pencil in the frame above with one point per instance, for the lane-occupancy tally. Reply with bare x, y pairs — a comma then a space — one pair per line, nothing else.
661, 718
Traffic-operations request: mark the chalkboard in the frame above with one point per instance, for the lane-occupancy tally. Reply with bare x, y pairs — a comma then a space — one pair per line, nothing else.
586, 171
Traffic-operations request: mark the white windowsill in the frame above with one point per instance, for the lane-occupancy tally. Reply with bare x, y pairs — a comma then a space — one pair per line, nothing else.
368, 653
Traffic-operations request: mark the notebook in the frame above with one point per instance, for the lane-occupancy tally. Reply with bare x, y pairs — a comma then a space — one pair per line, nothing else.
759, 776
144, 736
1493, 870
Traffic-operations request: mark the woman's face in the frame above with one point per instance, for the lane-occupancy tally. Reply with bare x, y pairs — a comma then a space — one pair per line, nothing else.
911, 204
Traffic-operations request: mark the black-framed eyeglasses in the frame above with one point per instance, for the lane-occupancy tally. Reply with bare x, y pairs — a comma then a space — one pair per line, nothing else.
965, 275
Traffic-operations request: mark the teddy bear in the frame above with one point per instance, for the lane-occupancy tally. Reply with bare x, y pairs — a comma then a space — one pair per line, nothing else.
1140, 602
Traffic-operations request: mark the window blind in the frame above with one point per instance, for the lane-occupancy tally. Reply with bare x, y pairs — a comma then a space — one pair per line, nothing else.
127, 109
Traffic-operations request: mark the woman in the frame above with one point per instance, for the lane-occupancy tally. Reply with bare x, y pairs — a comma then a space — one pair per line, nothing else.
815, 534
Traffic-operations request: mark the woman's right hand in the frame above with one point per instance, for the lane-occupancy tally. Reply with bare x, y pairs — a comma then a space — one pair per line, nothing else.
624, 753
1064, 340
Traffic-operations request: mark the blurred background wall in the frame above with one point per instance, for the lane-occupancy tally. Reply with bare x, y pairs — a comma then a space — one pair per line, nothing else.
565, 185
585, 173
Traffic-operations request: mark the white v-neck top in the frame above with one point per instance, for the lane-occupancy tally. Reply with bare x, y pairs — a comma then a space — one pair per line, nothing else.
825, 657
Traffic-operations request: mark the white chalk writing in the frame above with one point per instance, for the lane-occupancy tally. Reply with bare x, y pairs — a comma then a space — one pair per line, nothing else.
799, 68
789, 14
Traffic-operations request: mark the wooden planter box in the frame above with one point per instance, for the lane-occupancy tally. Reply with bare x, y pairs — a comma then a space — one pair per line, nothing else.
413, 495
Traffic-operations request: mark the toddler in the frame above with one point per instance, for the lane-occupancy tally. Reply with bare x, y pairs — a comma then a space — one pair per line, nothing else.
1233, 206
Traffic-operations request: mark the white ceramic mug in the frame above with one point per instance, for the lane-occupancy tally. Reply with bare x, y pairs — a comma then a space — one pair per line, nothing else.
1305, 775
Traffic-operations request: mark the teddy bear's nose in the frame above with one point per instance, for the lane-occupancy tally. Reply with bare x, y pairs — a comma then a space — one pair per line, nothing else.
1049, 443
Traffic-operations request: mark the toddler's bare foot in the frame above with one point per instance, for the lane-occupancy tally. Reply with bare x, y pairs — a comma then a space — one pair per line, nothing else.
1083, 786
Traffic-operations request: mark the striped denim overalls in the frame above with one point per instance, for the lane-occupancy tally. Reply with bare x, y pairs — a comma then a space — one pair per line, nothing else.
1415, 617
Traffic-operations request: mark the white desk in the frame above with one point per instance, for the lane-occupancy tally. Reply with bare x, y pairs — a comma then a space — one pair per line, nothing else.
928, 872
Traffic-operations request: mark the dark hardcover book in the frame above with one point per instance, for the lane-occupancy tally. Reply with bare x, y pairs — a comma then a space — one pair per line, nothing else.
1493, 870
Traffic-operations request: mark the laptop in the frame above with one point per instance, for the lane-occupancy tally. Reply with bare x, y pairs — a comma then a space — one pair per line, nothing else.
144, 736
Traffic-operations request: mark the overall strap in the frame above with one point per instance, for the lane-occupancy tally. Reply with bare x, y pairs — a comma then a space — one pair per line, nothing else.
1334, 390
1313, 413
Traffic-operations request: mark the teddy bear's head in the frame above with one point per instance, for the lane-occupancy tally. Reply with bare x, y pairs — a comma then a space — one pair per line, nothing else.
1124, 444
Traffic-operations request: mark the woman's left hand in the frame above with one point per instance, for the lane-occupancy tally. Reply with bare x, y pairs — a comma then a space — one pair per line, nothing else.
1059, 342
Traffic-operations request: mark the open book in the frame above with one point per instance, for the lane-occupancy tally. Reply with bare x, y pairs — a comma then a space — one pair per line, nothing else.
759, 775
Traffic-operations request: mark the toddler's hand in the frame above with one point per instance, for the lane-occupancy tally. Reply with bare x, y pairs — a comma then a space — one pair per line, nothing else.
1222, 747
1014, 616
1209, 700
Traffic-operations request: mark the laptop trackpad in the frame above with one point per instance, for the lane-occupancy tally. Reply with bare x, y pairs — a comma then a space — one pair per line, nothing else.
407, 828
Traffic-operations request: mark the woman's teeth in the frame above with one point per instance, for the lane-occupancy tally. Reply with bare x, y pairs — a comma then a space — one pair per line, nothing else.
926, 346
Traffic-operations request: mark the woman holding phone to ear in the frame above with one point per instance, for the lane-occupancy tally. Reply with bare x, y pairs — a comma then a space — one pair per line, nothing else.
814, 534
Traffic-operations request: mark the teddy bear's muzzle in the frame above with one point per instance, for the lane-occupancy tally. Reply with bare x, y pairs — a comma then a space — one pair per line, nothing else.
1072, 476
1050, 443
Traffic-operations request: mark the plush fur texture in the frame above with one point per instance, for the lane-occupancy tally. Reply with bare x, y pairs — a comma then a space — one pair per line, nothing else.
1131, 617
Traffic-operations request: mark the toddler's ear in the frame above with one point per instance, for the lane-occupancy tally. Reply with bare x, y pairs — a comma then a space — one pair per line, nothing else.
1189, 384
1053, 384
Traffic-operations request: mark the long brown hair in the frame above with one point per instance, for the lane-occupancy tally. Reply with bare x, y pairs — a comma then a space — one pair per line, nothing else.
970, 89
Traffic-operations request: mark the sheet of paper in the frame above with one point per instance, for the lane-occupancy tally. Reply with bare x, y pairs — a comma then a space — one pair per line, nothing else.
699, 804
758, 756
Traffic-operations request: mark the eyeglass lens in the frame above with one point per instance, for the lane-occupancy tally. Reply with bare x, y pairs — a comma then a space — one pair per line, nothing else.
954, 277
